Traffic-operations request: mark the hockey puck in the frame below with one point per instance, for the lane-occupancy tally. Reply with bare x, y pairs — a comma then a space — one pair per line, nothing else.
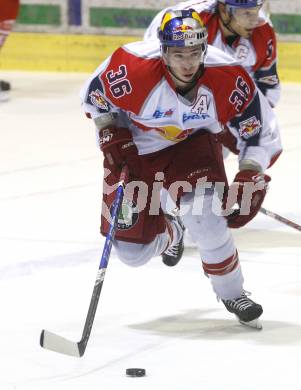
134, 372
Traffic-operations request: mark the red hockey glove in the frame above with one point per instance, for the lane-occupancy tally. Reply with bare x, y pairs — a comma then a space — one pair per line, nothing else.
248, 190
119, 148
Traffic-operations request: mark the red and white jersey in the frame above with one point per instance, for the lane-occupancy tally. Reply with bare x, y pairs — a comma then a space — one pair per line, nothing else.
257, 55
135, 86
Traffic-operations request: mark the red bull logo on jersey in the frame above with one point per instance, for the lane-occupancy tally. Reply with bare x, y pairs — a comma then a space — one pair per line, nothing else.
98, 101
249, 127
170, 133
173, 133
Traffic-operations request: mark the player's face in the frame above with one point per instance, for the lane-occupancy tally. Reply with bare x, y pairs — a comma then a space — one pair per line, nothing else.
184, 62
244, 20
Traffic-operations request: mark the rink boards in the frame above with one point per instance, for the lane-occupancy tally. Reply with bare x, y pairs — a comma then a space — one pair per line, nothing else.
83, 53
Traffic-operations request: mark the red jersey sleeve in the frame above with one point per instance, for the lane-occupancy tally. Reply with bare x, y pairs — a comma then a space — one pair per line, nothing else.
9, 9
211, 22
264, 41
128, 79
265, 68
232, 88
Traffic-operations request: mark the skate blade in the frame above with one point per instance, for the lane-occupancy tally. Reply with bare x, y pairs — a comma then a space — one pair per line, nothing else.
4, 96
255, 324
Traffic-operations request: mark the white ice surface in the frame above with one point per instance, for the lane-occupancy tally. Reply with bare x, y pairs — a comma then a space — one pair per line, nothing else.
164, 320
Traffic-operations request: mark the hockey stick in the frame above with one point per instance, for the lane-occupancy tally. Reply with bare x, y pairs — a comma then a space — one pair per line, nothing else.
278, 217
59, 344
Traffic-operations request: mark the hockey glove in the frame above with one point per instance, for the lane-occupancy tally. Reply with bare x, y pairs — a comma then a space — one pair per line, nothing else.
248, 190
119, 148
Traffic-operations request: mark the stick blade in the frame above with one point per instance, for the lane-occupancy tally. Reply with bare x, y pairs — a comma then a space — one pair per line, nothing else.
59, 344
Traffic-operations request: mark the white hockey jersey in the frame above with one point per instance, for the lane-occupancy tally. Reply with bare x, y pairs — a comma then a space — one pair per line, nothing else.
135, 85
257, 54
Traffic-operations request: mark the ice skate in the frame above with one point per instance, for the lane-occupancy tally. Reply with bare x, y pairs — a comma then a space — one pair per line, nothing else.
255, 324
246, 310
4, 90
173, 253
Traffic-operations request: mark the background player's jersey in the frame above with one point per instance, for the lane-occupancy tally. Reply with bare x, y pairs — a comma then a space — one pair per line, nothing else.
257, 54
135, 85
8, 14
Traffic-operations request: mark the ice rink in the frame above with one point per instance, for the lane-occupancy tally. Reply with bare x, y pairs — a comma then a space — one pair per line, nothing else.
166, 320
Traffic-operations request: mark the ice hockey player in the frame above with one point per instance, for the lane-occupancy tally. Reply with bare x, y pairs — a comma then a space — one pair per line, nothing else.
8, 14
241, 29
159, 107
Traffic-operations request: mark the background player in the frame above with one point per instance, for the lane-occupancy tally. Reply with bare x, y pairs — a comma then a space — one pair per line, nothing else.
8, 14
241, 29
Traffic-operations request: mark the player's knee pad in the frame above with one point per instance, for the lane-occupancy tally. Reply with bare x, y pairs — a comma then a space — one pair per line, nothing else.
132, 254
207, 229
136, 255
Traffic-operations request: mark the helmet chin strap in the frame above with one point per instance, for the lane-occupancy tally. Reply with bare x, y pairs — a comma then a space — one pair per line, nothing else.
227, 25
